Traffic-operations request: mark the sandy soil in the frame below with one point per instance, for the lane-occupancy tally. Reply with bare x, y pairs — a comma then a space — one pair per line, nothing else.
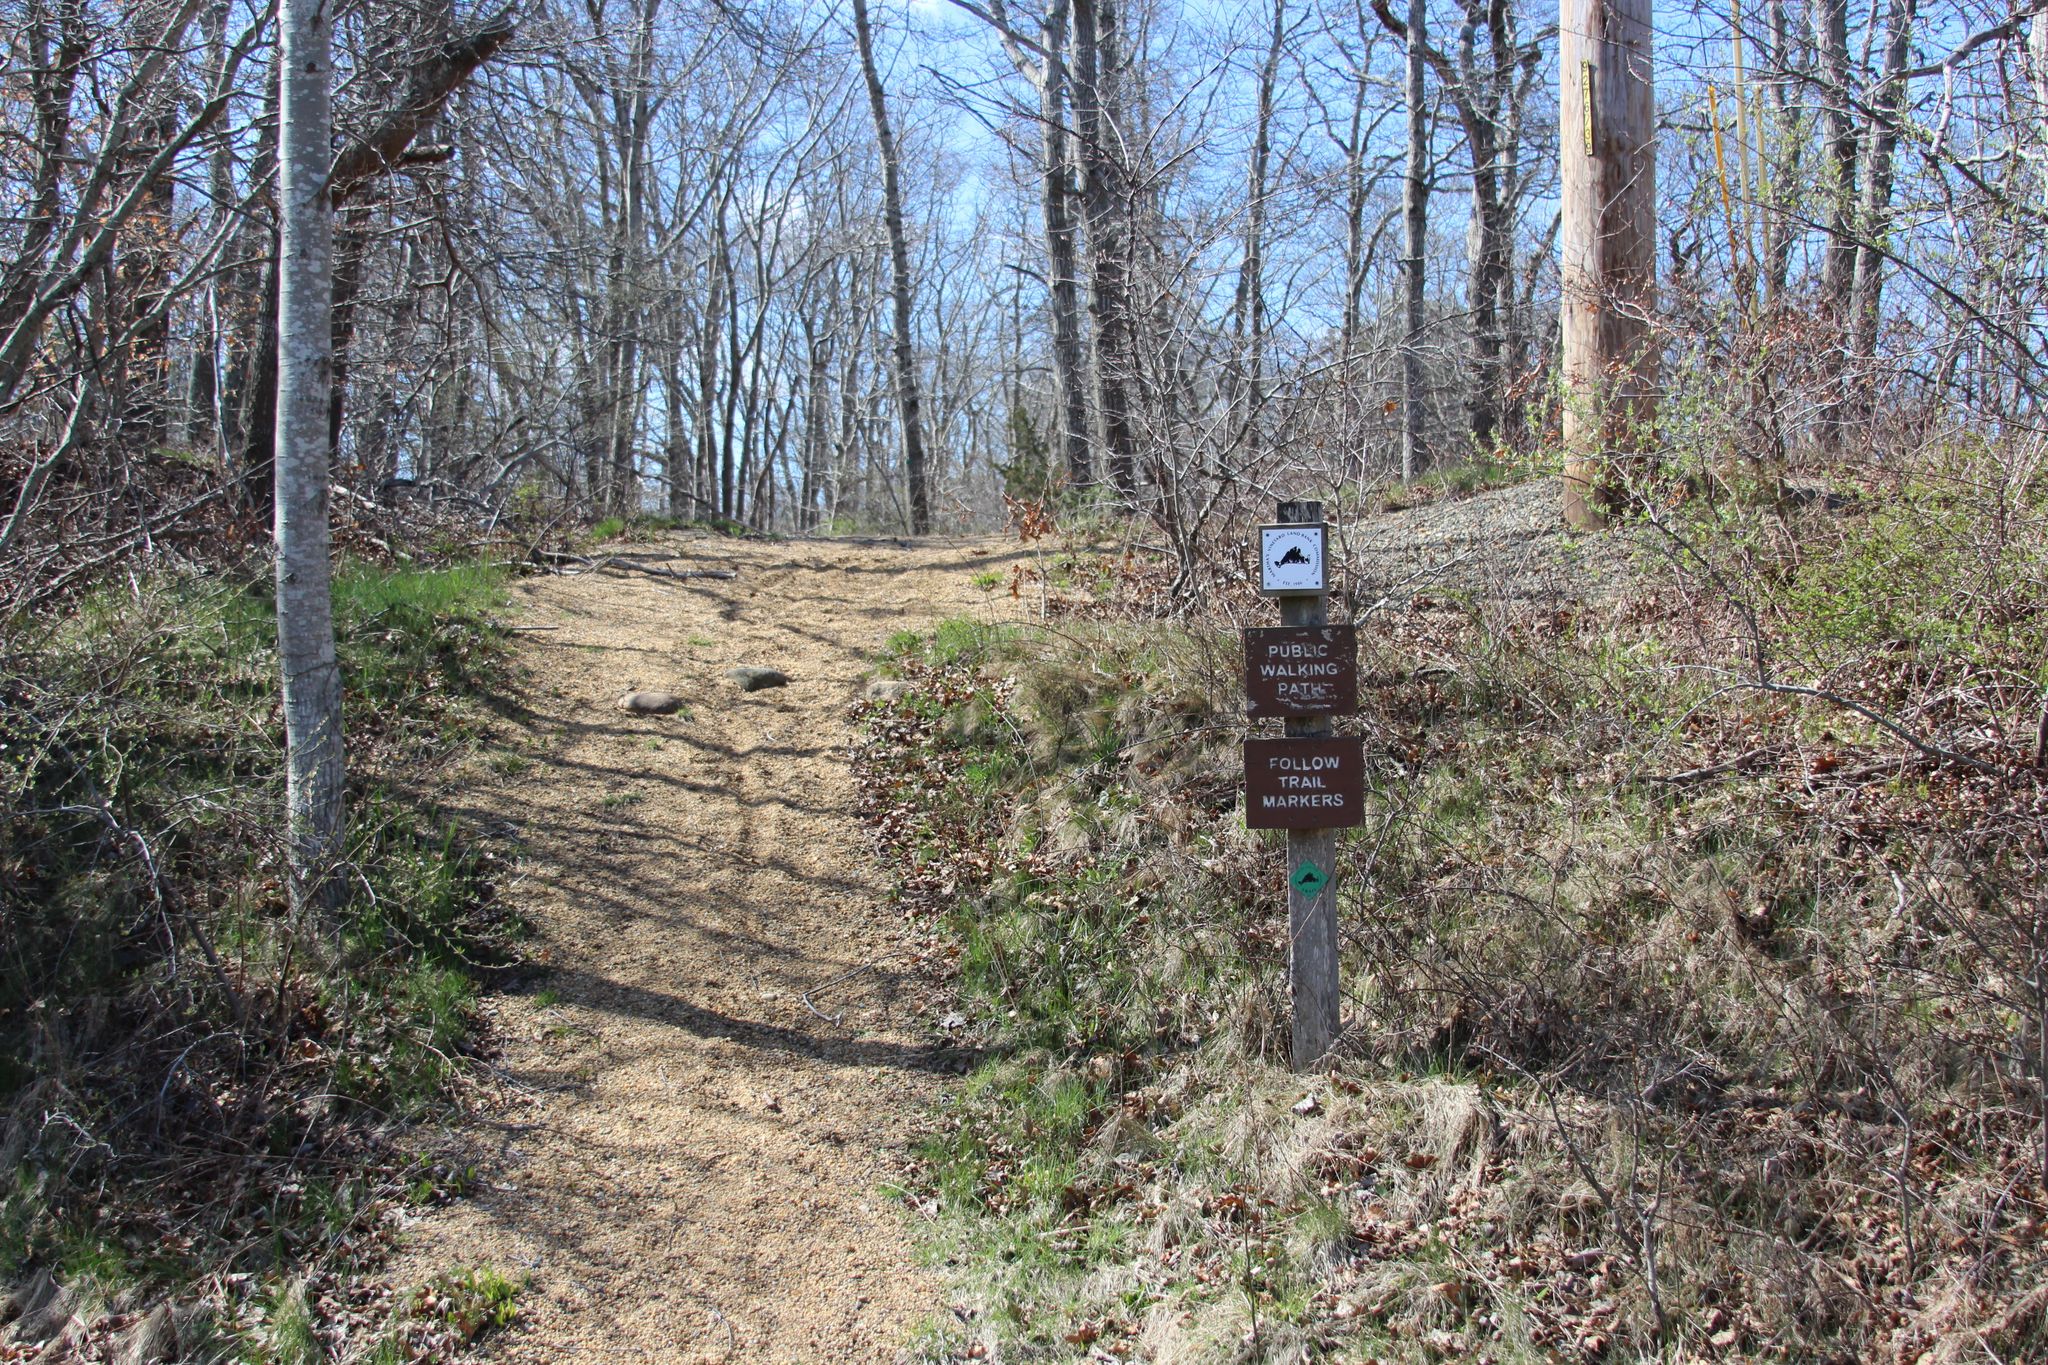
687, 1160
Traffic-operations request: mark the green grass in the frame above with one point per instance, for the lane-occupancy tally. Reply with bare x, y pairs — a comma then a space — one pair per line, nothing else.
1452, 481
471, 1301
452, 1310
625, 528
291, 1338
142, 793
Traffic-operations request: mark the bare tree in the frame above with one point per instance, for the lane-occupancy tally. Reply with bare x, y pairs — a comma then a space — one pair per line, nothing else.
1482, 85
1097, 114
305, 619
909, 404
1414, 243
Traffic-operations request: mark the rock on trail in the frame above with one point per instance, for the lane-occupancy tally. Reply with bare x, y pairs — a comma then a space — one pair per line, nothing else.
684, 1159
753, 679
651, 703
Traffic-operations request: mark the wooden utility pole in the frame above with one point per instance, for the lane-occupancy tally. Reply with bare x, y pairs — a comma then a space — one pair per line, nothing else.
1608, 173
1310, 783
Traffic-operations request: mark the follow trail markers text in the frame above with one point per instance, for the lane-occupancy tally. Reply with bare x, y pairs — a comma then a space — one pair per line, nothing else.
1311, 782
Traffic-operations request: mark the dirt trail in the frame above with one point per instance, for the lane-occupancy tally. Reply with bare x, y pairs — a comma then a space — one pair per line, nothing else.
687, 1166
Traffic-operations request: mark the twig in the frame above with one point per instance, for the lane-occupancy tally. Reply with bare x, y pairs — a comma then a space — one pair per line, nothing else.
39, 473
1735, 764
610, 554
1926, 747
867, 966
128, 542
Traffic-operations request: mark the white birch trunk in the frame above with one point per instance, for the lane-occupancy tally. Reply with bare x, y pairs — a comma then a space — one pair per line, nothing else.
305, 611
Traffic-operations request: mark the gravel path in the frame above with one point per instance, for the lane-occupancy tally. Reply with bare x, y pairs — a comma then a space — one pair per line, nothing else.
1505, 543
689, 1161
686, 1166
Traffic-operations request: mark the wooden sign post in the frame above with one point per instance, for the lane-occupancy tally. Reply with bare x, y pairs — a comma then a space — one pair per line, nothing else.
1312, 782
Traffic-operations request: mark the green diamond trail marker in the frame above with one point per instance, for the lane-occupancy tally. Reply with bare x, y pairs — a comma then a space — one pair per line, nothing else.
1308, 878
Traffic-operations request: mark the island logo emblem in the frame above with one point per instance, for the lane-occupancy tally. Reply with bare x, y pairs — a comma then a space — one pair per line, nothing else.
1291, 559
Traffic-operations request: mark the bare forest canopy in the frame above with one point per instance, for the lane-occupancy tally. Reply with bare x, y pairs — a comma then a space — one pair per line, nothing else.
641, 256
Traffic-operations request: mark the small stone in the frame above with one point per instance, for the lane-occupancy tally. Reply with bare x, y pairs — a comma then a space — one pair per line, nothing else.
753, 679
651, 703
1308, 1106
887, 689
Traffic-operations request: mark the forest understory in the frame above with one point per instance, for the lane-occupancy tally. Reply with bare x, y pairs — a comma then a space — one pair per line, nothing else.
1692, 947
1695, 947
1691, 1006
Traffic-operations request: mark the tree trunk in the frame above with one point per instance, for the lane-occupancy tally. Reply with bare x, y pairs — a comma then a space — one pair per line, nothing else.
714, 494
1062, 258
2037, 54
305, 625
1831, 24
1251, 278
1838, 265
53, 76
381, 417
622, 398
1415, 243
817, 397
1783, 176
253, 390
1095, 62
142, 275
1486, 104
908, 406
351, 245
1608, 175
1874, 202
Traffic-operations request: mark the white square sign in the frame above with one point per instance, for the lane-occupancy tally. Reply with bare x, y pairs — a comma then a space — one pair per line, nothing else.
1291, 560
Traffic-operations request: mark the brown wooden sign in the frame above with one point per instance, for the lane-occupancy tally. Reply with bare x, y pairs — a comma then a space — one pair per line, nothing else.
1301, 671
1304, 783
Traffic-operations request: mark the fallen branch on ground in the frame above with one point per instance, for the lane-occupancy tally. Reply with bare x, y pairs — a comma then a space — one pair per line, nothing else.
588, 564
1735, 764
